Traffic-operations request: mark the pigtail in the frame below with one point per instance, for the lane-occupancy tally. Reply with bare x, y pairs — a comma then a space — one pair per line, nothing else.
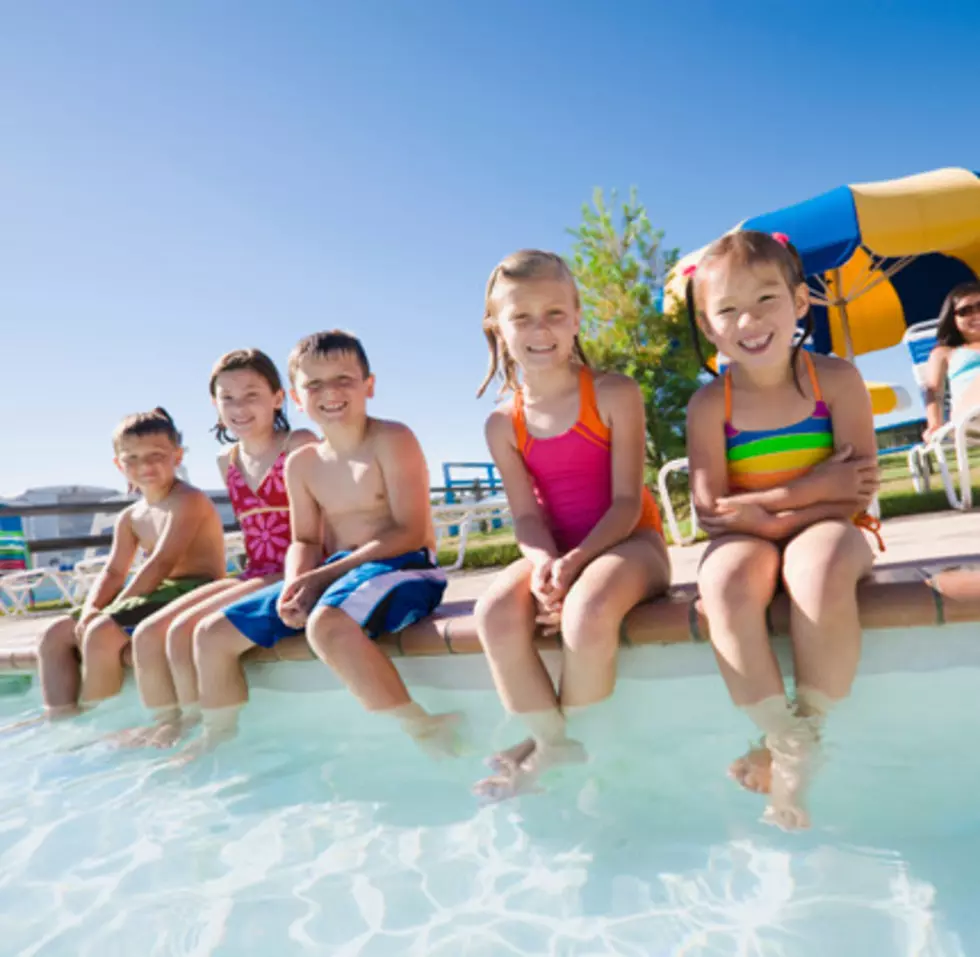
799, 280
693, 323
494, 364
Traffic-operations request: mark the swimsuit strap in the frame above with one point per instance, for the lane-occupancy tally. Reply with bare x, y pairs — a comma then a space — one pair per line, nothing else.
588, 416
811, 372
519, 421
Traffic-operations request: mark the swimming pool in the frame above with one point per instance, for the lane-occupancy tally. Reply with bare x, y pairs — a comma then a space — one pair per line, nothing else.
318, 831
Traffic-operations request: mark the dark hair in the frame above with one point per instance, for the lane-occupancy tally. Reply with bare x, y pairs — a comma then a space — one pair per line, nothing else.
322, 344
947, 332
259, 363
525, 264
139, 424
749, 247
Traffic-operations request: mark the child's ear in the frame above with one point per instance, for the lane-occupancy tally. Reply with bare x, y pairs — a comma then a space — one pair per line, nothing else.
295, 398
370, 386
118, 464
280, 399
180, 457
801, 300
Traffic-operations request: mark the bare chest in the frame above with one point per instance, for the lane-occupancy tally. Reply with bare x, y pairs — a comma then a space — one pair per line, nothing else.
348, 486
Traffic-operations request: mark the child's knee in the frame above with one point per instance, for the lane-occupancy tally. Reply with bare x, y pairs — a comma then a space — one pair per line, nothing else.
588, 618
148, 643
502, 615
821, 582
58, 639
103, 637
330, 626
735, 589
206, 644
180, 643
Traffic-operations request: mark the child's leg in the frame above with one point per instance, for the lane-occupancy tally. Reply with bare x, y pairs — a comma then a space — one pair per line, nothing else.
593, 612
340, 642
59, 667
736, 581
505, 616
180, 636
102, 667
821, 569
153, 677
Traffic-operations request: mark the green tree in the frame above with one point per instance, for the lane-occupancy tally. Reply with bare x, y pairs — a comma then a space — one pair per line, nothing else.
620, 263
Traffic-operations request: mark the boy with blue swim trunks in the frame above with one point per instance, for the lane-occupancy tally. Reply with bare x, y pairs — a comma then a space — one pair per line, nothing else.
362, 557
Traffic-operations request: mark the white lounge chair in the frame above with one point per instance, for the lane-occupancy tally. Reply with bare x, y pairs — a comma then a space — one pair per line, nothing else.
958, 435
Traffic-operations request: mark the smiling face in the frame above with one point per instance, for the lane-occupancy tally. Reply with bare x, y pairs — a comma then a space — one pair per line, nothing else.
966, 314
246, 403
748, 312
149, 462
538, 321
332, 389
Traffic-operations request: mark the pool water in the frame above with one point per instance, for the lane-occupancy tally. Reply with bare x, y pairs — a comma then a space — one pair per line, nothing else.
319, 831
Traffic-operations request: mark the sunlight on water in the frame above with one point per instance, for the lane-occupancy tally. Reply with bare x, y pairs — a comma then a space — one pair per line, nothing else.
319, 831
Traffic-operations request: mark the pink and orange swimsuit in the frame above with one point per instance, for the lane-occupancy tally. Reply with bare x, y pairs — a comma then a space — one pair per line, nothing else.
263, 516
572, 472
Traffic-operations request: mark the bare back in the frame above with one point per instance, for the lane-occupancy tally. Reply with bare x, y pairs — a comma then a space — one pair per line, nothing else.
365, 492
204, 556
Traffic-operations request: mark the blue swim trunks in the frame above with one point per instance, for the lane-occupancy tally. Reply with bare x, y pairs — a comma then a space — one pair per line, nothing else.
382, 596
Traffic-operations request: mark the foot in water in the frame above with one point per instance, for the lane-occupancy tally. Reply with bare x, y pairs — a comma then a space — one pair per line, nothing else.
438, 735
794, 758
524, 777
510, 759
753, 771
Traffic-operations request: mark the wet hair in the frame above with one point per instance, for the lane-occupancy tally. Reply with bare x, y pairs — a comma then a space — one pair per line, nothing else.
259, 363
323, 344
749, 247
947, 332
140, 424
522, 266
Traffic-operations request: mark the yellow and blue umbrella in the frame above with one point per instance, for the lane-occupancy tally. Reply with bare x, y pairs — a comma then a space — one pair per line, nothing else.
879, 257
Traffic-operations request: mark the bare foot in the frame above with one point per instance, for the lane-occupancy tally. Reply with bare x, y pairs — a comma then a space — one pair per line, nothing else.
523, 779
753, 771
794, 758
510, 759
438, 735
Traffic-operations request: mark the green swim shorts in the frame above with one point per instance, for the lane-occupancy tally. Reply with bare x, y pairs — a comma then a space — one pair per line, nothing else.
129, 612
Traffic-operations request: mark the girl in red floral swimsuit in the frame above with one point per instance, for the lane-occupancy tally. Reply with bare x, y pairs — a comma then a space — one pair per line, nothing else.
248, 396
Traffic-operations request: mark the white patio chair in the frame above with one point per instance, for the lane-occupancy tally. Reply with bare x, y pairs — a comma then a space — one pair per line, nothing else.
956, 435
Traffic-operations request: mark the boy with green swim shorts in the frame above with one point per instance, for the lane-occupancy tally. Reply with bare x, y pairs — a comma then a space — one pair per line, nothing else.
177, 527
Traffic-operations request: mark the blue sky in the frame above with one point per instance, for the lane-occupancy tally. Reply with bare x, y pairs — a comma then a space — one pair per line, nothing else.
181, 178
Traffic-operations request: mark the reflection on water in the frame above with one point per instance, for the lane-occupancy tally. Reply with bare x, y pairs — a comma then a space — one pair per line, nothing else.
319, 832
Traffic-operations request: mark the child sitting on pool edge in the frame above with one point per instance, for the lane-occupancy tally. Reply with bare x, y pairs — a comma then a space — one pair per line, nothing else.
179, 529
360, 496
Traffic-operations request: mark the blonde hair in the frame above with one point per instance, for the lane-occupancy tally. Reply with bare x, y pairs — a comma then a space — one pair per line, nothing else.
522, 266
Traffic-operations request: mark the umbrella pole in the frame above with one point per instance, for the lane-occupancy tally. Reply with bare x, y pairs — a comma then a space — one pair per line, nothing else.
841, 303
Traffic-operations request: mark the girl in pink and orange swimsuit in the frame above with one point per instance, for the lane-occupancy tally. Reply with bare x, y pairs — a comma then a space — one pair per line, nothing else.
570, 447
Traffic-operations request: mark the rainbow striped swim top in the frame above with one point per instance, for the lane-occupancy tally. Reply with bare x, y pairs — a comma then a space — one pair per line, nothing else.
765, 458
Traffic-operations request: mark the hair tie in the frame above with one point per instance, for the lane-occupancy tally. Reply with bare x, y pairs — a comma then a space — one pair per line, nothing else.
688, 270
781, 238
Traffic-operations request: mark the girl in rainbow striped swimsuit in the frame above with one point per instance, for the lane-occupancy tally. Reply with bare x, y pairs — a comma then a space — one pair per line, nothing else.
570, 446
782, 465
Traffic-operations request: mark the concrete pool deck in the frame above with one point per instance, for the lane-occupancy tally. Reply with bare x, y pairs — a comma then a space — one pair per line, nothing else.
916, 583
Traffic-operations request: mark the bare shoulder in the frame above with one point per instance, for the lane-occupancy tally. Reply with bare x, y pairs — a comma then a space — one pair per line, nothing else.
387, 434
708, 402
499, 426
298, 438
836, 375
224, 461
191, 498
301, 459
616, 387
